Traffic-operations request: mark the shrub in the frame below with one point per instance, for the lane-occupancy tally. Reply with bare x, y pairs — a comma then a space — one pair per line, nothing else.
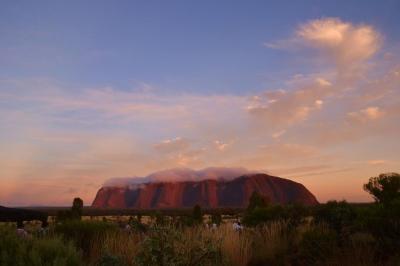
159, 218
167, 246
383, 222
235, 247
184, 221
317, 246
137, 225
53, 251
262, 215
216, 219
256, 200
197, 214
115, 247
294, 214
50, 251
81, 233
272, 244
339, 216
110, 260
64, 215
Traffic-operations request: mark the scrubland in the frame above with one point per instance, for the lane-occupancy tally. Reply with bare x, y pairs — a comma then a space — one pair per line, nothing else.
334, 233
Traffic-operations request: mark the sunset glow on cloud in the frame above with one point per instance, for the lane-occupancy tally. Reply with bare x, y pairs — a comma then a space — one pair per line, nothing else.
331, 125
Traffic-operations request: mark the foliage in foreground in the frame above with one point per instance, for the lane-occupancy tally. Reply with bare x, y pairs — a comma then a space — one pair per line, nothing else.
35, 251
82, 233
336, 233
169, 246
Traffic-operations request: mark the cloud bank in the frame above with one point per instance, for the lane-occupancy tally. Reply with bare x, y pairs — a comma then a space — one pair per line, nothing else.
180, 175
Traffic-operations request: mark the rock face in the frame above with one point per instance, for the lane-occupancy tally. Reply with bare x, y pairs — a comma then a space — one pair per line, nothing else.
206, 193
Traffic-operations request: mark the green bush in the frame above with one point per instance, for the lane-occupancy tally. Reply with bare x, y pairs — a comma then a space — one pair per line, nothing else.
216, 219
339, 216
295, 214
184, 221
197, 214
272, 244
168, 246
256, 200
260, 215
317, 246
82, 233
137, 225
51, 251
383, 222
110, 260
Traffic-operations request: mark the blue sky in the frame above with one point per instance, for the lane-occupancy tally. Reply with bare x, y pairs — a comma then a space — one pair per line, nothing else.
201, 46
91, 90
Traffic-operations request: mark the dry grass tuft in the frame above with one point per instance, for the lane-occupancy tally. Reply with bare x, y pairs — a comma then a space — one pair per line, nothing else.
119, 243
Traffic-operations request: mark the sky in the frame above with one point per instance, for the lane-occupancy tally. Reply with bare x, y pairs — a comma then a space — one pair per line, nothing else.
93, 90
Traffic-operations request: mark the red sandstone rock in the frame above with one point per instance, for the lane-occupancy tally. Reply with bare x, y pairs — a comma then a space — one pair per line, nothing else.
206, 193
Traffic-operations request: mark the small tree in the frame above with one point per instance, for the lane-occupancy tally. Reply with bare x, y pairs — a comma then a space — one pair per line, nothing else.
216, 219
256, 200
258, 211
77, 206
197, 214
384, 188
139, 217
75, 213
159, 218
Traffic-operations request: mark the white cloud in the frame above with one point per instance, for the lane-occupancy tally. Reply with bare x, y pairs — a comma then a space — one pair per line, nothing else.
369, 113
323, 82
223, 146
278, 134
376, 162
319, 103
372, 112
172, 145
181, 174
345, 47
285, 108
344, 42
219, 145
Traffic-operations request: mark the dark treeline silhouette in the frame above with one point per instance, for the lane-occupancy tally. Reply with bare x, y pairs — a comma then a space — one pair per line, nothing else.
19, 216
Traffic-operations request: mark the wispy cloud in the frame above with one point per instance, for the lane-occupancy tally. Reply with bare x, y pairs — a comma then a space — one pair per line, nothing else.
376, 162
286, 108
369, 113
172, 145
